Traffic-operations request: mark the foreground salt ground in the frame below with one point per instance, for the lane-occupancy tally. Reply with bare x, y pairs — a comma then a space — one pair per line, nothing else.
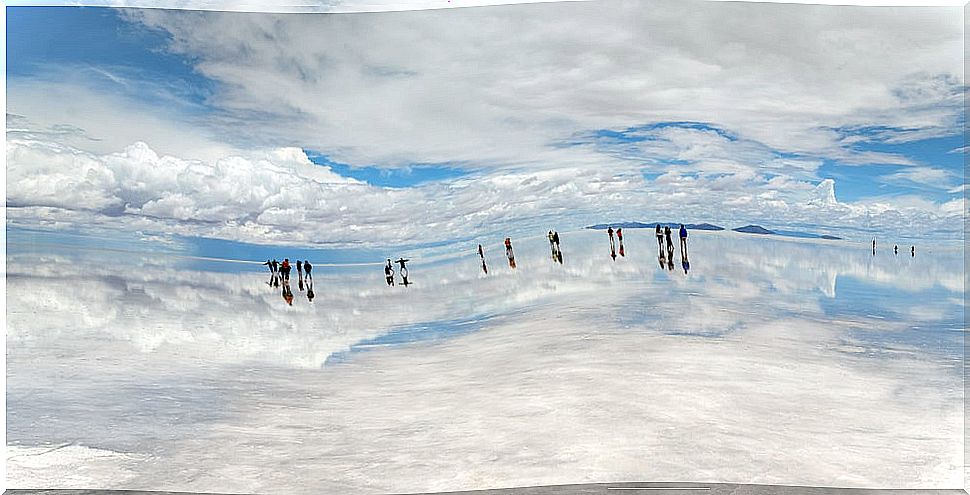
789, 362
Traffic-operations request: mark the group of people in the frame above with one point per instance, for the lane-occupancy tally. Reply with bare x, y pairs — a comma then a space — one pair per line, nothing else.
619, 236
279, 273
912, 249
666, 244
389, 272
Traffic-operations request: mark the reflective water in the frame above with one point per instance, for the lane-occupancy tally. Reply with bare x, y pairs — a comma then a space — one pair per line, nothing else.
768, 361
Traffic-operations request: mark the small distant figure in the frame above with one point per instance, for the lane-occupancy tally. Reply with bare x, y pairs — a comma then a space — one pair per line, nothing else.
552, 245
670, 263
275, 267
285, 269
660, 240
389, 273
669, 242
272, 271
619, 238
896, 249
683, 241
612, 243
913, 250
404, 271
873, 247
308, 268
509, 253
555, 240
299, 274
309, 291
481, 254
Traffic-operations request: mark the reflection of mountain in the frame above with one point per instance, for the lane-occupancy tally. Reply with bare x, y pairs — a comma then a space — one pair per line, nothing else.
757, 229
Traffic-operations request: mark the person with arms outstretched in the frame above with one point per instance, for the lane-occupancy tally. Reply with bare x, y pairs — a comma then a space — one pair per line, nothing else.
404, 271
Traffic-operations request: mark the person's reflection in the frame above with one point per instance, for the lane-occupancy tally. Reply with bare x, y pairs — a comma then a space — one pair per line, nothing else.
309, 289
481, 254
684, 262
670, 262
287, 293
662, 261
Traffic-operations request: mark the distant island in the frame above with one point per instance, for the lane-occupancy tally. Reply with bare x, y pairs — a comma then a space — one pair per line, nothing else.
747, 229
753, 229
651, 225
757, 229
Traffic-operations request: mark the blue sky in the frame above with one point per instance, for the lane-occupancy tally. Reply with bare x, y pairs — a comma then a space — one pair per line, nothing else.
438, 125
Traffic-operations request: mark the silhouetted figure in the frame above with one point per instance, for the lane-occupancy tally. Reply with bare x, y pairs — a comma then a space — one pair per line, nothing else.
481, 254
660, 240
683, 241
895, 249
285, 269
555, 241
309, 290
287, 293
662, 261
619, 239
299, 268
404, 271
272, 272
275, 267
873, 247
670, 243
670, 262
686, 265
307, 267
509, 253
612, 243
913, 250
389, 273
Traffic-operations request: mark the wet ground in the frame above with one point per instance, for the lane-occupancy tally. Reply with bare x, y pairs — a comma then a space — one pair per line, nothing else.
773, 361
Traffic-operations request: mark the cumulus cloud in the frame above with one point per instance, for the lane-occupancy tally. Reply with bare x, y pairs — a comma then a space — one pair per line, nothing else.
758, 103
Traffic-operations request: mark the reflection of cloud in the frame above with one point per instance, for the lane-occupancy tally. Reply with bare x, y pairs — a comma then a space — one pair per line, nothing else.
616, 370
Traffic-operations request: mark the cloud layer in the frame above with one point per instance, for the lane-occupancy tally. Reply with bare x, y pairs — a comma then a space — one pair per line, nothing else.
552, 111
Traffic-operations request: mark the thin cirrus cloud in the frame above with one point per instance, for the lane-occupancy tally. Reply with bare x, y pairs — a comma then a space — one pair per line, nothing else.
549, 113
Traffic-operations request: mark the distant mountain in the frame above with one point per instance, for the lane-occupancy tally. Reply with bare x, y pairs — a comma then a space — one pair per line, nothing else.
651, 225
753, 229
757, 229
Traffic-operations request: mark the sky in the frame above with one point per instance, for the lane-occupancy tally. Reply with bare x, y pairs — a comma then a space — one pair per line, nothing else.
434, 126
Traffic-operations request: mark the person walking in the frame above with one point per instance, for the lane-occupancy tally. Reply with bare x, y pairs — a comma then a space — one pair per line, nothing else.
389, 273
509, 253
660, 240
669, 242
555, 240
